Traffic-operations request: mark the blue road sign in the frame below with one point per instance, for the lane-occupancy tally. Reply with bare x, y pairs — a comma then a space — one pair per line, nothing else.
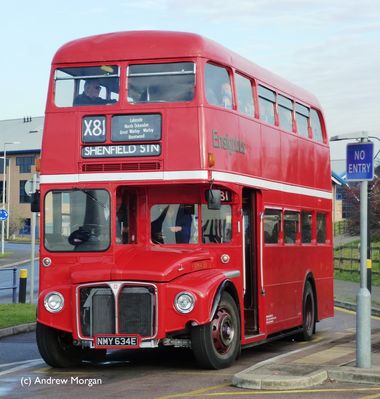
359, 164
3, 214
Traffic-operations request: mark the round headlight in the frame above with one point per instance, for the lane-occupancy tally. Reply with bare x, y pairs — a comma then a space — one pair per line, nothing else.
54, 302
184, 302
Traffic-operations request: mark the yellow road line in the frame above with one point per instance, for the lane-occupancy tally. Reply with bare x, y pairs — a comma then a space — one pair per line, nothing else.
205, 392
197, 392
353, 312
308, 391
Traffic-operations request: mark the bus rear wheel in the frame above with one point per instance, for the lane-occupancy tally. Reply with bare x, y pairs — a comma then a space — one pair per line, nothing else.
56, 347
308, 313
216, 345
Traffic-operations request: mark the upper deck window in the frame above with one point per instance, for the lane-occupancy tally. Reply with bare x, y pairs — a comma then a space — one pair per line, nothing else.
244, 94
86, 86
302, 118
155, 83
267, 101
316, 126
218, 86
285, 112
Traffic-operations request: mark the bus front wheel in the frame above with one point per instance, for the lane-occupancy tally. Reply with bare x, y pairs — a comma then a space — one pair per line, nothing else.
56, 347
216, 345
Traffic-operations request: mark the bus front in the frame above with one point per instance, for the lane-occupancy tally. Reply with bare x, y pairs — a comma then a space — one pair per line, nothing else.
133, 234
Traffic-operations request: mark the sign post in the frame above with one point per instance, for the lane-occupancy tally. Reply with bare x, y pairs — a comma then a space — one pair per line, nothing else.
360, 168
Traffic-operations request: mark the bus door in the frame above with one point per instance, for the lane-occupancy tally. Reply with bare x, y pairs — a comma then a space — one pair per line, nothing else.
250, 263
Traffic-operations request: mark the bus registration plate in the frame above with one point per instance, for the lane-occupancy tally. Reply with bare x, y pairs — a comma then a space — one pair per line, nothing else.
117, 341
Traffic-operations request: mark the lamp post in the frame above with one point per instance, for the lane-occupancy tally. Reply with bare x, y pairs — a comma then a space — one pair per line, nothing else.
4, 177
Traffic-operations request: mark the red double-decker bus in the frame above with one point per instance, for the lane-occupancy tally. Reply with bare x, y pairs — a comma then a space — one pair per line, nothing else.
185, 201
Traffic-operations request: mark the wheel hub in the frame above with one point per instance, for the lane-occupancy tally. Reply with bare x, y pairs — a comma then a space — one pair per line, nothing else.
223, 331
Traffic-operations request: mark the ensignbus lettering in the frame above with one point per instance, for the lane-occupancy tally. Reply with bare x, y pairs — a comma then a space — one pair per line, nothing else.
227, 143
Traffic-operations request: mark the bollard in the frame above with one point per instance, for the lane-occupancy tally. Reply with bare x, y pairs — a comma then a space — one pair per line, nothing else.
22, 285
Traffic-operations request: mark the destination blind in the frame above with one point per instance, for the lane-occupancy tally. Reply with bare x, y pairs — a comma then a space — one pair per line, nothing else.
120, 151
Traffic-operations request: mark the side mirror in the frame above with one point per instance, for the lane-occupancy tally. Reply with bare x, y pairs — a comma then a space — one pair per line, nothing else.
35, 202
214, 199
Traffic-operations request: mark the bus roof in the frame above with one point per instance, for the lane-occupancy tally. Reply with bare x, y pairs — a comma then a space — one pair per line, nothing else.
144, 45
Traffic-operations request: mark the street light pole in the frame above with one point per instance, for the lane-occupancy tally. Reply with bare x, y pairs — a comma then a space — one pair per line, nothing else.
3, 207
4, 177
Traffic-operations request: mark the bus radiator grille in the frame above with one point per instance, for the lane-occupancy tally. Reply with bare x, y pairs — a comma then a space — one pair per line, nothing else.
97, 310
135, 311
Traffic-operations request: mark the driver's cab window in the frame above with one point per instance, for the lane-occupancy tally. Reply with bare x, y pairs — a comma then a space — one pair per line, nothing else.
86, 86
125, 216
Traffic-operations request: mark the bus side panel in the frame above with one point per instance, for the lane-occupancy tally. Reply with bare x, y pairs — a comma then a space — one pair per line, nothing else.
270, 152
290, 158
180, 139
306, 163
222, 135
322, 171
283, 287
250, 136
325, 295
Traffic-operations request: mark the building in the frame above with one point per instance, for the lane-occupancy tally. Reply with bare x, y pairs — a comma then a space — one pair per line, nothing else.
338, 184
20, 141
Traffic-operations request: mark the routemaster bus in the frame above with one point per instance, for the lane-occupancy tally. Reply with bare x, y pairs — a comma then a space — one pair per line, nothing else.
185, 201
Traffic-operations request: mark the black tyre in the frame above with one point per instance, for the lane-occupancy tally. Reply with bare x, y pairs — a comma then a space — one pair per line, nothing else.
217, 344
308, 313
56, 347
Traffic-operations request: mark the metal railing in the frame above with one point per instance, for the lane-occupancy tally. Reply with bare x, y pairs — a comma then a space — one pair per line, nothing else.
12, 287
347, 259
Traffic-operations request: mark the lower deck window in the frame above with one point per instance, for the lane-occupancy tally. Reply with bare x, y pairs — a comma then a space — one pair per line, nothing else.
291, 223
272, 225
216, 225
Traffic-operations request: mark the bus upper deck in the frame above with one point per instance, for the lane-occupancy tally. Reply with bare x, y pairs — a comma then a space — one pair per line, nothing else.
191, 106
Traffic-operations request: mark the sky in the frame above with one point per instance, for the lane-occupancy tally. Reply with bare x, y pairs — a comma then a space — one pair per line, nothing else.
329, 47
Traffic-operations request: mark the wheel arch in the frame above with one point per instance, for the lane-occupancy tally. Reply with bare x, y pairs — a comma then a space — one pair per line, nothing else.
226, 286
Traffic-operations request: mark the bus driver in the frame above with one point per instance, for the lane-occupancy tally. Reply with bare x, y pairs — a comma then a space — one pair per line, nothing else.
90, 95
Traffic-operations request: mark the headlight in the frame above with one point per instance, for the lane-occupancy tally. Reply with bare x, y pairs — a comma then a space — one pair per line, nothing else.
184, 302
54, 302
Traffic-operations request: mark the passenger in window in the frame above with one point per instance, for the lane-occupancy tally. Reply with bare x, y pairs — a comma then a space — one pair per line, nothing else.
226, 95
173, 226
90, 95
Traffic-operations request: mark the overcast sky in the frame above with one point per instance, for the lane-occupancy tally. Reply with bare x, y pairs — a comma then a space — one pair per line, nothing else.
329, 47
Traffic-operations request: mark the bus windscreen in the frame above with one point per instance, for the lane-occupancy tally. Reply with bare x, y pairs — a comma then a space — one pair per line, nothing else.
86, 86
155, 83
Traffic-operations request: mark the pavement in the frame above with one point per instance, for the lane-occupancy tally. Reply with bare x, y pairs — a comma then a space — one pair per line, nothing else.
16, 253
331, 358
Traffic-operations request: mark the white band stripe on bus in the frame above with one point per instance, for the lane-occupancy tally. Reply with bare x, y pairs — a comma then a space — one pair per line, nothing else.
185, 175
270, 185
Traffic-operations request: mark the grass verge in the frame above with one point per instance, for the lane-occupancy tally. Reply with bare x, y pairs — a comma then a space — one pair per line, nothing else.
16, 313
